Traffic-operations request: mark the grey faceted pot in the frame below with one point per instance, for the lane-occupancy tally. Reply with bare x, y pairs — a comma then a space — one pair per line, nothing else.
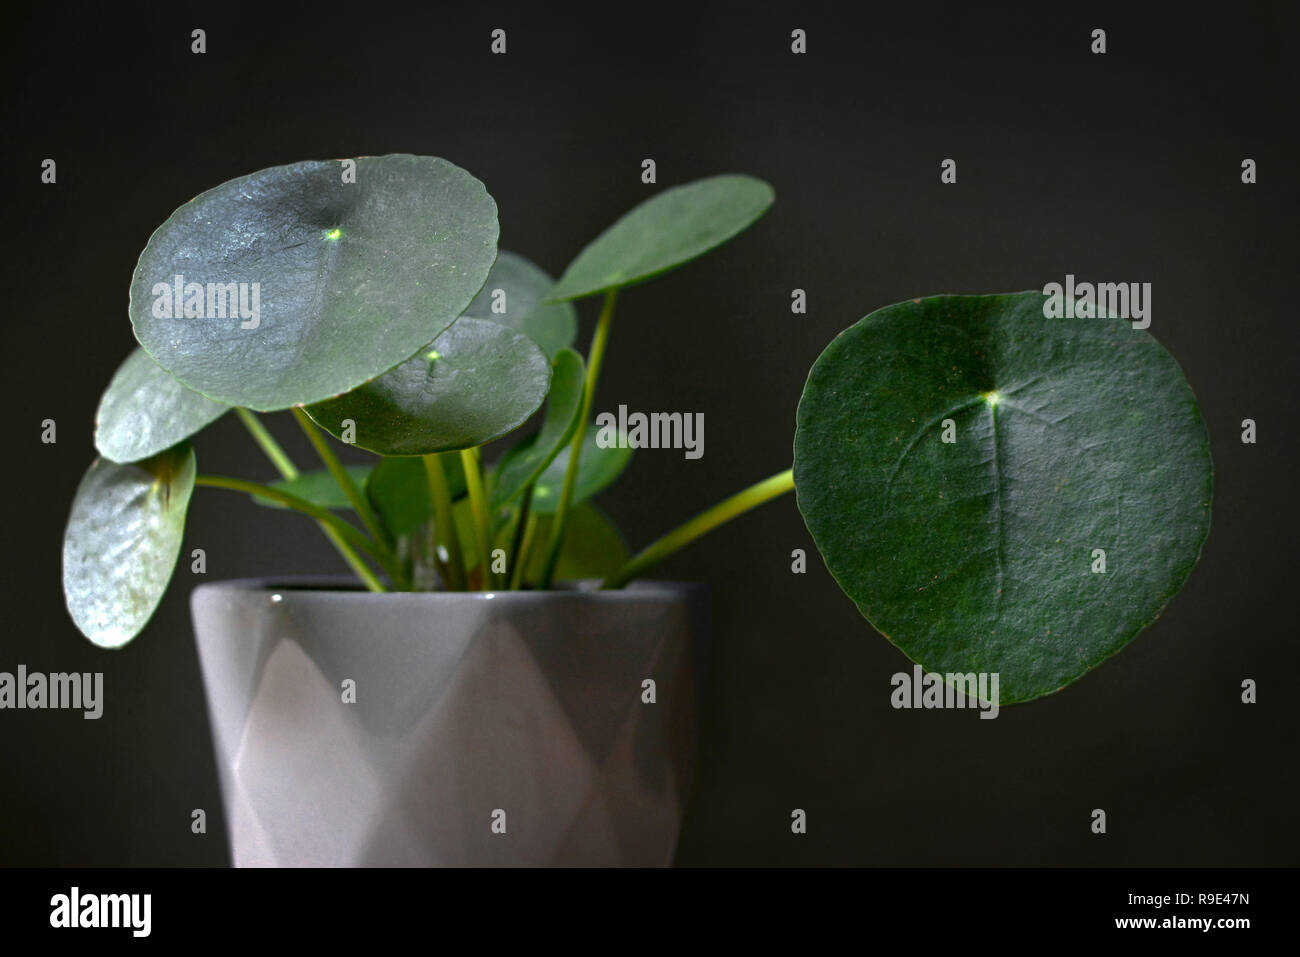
506, 728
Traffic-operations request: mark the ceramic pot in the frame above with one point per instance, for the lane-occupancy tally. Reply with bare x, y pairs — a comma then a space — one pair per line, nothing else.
463, 729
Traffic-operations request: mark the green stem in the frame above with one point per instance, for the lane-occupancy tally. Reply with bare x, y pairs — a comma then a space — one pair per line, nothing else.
595, 358
279, 458
284, 465
445, 520
478, 505
349, 487
521, 556
517, 534
362, 507
701, 524
332, 522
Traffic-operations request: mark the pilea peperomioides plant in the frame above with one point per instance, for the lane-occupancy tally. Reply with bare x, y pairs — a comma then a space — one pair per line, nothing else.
960, 461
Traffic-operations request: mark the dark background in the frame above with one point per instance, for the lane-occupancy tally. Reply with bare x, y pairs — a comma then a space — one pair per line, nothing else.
1122, 167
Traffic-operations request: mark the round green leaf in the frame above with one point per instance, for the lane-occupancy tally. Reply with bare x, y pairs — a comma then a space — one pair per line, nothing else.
593, 547
318, 487
145, 411
474, 383
962, 462
352, 277
513, 297
598, 468
398, 488
526, 461
122, 540
666, 231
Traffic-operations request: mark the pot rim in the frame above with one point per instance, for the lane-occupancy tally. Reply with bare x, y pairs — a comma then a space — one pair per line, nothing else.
346, 587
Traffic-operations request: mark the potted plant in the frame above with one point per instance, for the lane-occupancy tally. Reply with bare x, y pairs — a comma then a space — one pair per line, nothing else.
1000, 492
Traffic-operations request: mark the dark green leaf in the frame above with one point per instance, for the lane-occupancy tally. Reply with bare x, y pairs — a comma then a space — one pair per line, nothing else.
977, 555
593, 547
526, 461
398, 488
598, 468
474, 383
664, 232
145, 411
122, 540
318, 487
517, 286
352, 278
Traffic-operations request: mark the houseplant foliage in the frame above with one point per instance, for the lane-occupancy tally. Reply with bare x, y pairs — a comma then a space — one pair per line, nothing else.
979, 554
958, 460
